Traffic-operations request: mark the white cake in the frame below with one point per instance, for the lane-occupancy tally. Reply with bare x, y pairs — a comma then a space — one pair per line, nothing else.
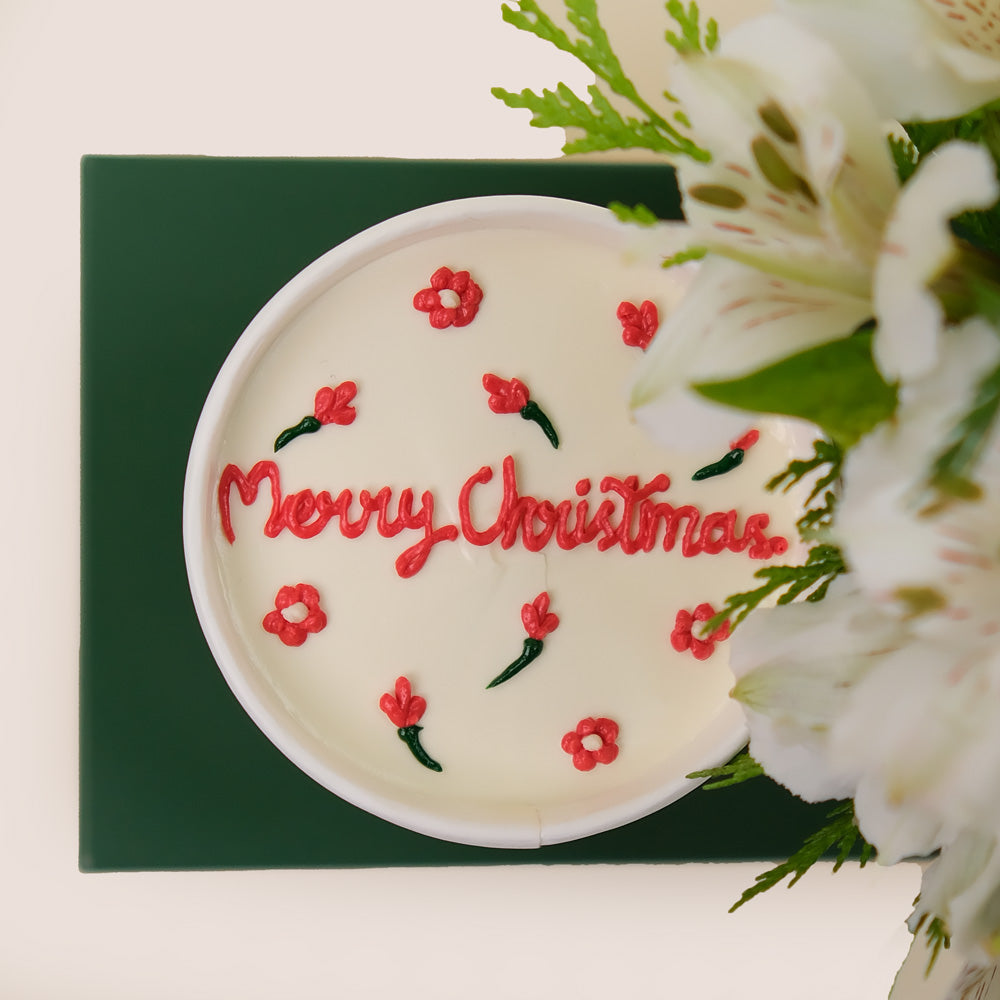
435, 603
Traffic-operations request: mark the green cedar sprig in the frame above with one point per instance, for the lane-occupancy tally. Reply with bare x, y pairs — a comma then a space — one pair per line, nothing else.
741, 768
817, 518
840, 834
691, 253
603, 126
937, 934
639, 215
813, 578
691, 38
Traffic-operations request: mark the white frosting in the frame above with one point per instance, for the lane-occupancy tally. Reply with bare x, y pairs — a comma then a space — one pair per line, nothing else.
547, 318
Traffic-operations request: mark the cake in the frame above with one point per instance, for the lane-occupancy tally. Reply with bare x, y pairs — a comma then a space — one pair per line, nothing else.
436, 558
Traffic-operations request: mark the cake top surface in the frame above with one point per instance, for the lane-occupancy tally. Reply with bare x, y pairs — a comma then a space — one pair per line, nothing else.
418, 507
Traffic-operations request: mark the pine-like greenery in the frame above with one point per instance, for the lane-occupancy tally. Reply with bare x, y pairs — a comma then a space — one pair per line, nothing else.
602, 125
839, 836
816, 518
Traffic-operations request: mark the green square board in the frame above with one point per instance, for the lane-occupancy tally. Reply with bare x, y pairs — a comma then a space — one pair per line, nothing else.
179, 253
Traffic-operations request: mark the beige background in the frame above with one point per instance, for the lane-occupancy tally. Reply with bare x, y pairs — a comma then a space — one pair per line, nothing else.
320, 78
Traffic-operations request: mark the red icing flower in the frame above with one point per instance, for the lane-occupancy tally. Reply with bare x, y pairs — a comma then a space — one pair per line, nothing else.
683, 637
293, 631
585, 758
510, 395
331, 406
403, 710
537, 620
638, 324
452, 300
507, 395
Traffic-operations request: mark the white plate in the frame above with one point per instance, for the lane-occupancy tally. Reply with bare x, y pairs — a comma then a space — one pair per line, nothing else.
553, 273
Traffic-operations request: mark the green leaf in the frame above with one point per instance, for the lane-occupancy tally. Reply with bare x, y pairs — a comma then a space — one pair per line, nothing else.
980, 228
839, 836
835, 386
953, 469
904, 156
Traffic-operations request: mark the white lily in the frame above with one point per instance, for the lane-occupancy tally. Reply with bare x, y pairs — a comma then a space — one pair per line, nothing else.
796, 667
938, 568
843, 700
917, 248
732, 320
922, 59
791, 209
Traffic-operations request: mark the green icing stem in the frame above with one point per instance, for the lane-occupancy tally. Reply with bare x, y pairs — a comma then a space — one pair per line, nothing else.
727, 463
307, 425
410, 735
532, 647
532, 411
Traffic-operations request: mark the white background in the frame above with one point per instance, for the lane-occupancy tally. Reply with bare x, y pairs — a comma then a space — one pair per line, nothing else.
388, 78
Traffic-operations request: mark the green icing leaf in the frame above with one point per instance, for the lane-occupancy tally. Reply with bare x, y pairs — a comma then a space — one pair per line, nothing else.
835, 386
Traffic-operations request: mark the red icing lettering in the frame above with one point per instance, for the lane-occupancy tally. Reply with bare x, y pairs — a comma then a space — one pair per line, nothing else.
306, 514
633, 525
247, 486
629, 517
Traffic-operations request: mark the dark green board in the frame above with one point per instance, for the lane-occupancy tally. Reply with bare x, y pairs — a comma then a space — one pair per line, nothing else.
179, 254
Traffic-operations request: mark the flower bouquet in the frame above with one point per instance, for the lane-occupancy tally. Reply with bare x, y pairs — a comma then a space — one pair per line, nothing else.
837, 161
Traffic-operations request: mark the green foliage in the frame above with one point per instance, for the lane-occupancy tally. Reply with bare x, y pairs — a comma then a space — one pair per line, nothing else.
969, 284
980, 228
839, 836
639, 214
690, 39
817, 518
904, 156
813, 578
691, 253
938, 937
741, 768
979, 126
603, 126
835, 386
952, 470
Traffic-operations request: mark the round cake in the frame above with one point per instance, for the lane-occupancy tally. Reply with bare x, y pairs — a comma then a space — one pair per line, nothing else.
435, 557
